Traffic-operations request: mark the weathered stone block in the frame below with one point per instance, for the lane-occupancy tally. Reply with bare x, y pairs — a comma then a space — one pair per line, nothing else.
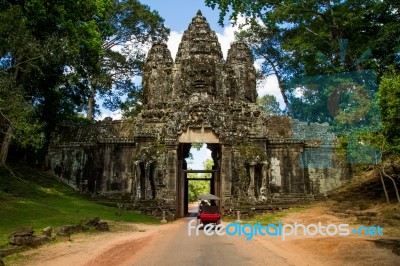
93, 222
47, 231
102, 226
21, 236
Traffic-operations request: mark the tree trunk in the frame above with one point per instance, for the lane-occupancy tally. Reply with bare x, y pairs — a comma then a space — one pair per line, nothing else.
5, 145
281, 87
285, 99
394, 184
91, 103
384, 187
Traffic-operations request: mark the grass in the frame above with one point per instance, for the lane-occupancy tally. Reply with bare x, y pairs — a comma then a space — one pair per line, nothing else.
31, 198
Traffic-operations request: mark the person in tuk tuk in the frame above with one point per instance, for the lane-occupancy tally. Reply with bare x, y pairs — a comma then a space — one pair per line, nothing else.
202, 204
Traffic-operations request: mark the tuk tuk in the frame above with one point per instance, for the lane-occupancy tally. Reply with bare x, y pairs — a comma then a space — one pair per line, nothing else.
208, 213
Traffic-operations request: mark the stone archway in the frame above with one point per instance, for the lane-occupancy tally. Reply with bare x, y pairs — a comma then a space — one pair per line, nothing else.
196, 135
199, 97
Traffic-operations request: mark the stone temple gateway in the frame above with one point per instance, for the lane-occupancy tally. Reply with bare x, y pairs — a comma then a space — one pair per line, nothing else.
259, 160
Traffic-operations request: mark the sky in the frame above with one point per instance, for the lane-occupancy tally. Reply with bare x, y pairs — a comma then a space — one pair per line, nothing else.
177, 15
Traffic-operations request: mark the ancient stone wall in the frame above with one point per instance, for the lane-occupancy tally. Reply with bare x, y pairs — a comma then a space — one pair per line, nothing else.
95, 157
198, 98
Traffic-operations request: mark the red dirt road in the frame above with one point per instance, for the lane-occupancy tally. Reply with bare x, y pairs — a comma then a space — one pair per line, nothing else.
170, 245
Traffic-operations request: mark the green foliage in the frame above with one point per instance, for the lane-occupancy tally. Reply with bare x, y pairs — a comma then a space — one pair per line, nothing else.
328, 57
56, 53
77, 119
208, 164
249, 154
132, 27
299, 39
389, 96
197, 146
197, 187
341, 146
49, 39
132, 106
15, 112
269, 104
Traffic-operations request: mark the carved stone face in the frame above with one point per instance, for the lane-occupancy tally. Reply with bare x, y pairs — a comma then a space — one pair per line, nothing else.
200, 77
156, 75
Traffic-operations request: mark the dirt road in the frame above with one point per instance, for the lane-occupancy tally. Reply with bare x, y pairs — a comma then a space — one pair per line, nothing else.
173, 246
170, 245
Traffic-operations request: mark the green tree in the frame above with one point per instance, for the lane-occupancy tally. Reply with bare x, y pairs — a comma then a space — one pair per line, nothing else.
269, 104
309, 38
197, 146
17, 120
131, 27
389, 95
208, 164
198, 187
21, 54
50, 41
52, 52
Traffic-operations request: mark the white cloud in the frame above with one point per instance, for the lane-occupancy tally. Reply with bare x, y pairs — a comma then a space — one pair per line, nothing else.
173, 42
199, 157
226, 38
258, 63
116, 115
269, 85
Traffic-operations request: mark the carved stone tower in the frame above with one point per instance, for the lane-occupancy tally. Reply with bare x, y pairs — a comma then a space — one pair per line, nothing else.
199, 98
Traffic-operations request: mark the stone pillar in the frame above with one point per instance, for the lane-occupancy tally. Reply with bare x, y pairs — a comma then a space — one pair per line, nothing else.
250, 191
147, 180
225, 175
171, 173
134, 180
171, 177
108, 171
266, 173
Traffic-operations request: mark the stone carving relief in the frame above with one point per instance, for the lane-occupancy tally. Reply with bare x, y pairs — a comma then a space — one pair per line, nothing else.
149, 172
199, 77
157, 74
135, 186
266, 173
230, 83
240, 60
199, 41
